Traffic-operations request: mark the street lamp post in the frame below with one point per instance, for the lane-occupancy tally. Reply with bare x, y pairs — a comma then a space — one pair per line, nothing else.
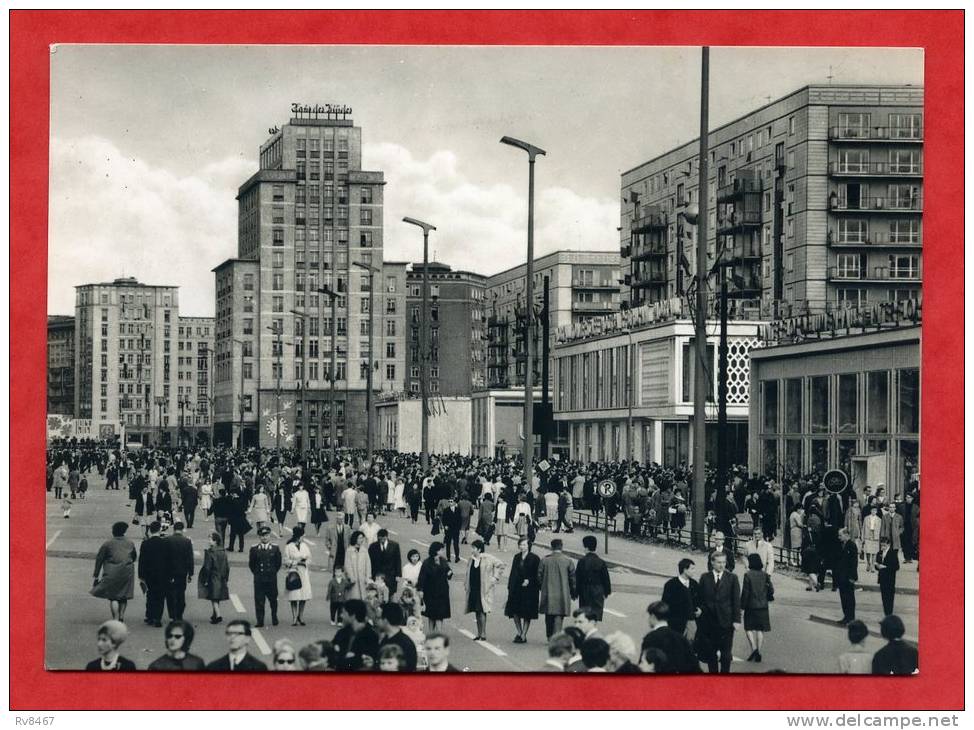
630, 397
241, 443
159, 401
529, 299
424, 354
210, 385
331, 375
368, 376
182, 421
304, 378
277, 390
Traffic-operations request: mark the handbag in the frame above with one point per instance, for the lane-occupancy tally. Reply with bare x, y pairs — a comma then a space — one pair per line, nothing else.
293, 580
770, 590
436, 526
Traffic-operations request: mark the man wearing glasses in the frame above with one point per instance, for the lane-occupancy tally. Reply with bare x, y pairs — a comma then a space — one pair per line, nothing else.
237, 658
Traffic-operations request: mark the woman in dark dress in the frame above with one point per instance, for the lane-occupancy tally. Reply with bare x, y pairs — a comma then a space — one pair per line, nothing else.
179, 638
523, 590
115, 571
111, 635
434, 586
318, 509
214, 576
756, 591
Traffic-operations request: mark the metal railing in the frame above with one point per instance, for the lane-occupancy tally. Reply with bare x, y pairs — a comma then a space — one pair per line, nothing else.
876, 168
879, 273
882, 134
914, 203
875, 239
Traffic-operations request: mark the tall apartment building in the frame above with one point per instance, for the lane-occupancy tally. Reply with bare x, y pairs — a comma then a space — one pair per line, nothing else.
128, 362
458, 330
307, 218
60, 365
193, 382
581, 285
815, 199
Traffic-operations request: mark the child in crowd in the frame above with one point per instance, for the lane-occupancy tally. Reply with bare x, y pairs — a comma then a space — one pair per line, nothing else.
66, 508
409, 601
414, 630
338, 587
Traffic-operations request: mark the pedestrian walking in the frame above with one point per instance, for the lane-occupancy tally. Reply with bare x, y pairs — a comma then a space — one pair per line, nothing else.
484, 572
680, 594
153, 573
523, 590
720, 604
259, 509
358, 566
434, 587
887, 566
872, 526
301, 506
845, 573
386, 560
556, 575
592, 578
114, 577
338, 537
337, 593
181, 567
756, 593
282, 506
265, 563
319, 512
214, 577
297, 558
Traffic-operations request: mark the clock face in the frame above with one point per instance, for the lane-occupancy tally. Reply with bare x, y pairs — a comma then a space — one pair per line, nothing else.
275, 425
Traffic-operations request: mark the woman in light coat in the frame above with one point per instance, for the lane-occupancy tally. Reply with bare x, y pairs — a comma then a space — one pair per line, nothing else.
853, 523
297, 556
871, 528
301, 506
260, 508
358, 566
399, 497
483, 573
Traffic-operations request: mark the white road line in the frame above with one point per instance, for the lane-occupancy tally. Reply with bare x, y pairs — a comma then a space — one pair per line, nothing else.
486, 644
393, 532
235, 600
260, 641
614, 613
197, 553
55, 537
420, 542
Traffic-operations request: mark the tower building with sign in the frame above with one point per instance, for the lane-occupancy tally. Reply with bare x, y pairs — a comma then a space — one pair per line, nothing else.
816, 201
309, 218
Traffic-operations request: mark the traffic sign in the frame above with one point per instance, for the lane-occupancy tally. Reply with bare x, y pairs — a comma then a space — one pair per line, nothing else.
544, 465
835, 481
607, 488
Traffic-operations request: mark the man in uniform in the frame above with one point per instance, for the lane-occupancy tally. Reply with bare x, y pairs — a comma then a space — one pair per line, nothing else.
265, 563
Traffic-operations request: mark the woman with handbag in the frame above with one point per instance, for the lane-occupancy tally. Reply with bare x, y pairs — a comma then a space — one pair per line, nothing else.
756, 591
214, 576
297, 581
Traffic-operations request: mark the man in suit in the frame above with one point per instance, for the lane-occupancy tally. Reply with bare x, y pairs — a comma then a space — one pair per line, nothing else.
437, 648
386, 559
897, 657
720, 547
680, 594
680, 658
452, 520
561, 647
265, 564
356, 644
845, 573
556, 574
338, 537
190, 499
887, 563
180, 558
720, 605
592, 579
154, 574
237, 659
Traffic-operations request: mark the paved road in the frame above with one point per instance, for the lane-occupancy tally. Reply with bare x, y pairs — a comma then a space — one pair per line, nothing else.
796, 643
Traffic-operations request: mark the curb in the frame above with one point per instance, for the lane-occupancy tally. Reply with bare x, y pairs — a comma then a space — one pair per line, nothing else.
832, 622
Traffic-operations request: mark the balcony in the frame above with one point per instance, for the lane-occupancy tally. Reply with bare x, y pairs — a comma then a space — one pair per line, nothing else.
594, 284
877, 204
649, 279
876, 134
875, 240
648, 218
742, 184
878, 275
624, 251
594, 307
875, 169
744, 253
738, 221
647, 251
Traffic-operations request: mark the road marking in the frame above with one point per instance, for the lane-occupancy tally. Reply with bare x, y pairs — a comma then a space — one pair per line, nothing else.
420, 542
393, 532
197, 553
55, 537
486, 644
235, 600
260, 641
614, 613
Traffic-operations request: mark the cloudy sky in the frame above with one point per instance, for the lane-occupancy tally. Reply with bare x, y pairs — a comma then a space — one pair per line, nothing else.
149, 143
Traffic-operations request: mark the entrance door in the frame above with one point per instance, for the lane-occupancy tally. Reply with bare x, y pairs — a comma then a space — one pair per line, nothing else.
869, 470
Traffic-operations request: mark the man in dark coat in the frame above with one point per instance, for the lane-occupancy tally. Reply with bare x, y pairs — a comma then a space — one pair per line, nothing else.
154, 574
181, 566
190, 499
386, 559
556, 574
390, 624
887, 564
356, 645
592, 579
680, 594
238, 659
680, 658
845, 573
265, 564
452, 521
720, 547
720, 606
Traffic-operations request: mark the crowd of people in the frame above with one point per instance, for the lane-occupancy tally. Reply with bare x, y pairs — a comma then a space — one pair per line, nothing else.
380, 601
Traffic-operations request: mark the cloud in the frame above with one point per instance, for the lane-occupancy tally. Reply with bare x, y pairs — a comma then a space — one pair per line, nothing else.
481, 228
112, 214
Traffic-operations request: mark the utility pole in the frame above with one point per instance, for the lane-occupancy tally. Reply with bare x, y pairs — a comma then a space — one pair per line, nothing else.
545, 354
241, 397
303, 385
529, 300
701, 381
332, 374
721, 478
368, 377
277, 390
424, 347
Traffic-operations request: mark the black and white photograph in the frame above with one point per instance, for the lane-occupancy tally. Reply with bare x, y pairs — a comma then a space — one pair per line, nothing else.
484, 359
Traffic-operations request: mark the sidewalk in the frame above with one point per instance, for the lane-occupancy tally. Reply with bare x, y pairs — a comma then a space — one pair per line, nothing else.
907, 579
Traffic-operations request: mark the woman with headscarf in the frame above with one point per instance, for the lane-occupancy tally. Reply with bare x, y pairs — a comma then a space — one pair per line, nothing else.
115, 571
214, 576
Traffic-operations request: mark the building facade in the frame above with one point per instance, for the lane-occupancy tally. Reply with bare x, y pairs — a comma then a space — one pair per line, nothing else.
624, 385
399, 425
457, 330
840, 393
193, 382
129, 358
497, 422
816, 199
581, 285
60, 365
309, 218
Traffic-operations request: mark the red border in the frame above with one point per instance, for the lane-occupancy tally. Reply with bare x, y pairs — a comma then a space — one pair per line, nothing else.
940, 33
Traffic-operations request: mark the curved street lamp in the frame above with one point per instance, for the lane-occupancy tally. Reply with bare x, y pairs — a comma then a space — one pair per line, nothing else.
424, 354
